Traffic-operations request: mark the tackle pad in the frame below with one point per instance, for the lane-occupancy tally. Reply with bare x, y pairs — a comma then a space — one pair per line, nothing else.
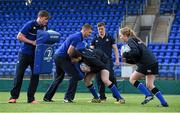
43, 63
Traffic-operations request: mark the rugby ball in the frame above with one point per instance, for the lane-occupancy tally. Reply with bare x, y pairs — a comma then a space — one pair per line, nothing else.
82, 65
125, 48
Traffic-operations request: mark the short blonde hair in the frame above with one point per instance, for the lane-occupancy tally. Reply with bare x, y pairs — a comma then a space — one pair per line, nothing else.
127, 31
86, 26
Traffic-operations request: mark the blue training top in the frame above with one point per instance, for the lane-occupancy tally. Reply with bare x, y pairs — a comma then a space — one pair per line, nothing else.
30, 32
71, 40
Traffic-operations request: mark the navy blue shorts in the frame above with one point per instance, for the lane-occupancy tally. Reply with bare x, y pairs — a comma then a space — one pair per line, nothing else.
148, 69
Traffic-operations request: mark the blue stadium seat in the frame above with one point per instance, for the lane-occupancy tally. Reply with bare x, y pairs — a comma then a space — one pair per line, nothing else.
68, 17
117, 71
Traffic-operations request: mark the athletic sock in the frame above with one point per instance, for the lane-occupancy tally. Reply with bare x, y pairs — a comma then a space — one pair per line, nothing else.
93, 91
158, 94
142, 88
115, 91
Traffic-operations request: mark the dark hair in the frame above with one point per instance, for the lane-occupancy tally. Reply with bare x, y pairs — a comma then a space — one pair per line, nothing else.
86, 26
75, 54
101, 24
43, 13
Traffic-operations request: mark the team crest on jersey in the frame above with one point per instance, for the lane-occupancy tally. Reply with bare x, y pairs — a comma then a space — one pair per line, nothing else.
96, 41
107, 40
48, 54
34, 27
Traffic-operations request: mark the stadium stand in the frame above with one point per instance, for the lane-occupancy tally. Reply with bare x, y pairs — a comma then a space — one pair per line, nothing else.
69, 15
168, 53
169, 6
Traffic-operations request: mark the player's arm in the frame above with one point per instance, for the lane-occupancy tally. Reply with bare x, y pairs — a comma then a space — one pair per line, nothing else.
24, 32
93, 43
70, 50
116, 52
23, 38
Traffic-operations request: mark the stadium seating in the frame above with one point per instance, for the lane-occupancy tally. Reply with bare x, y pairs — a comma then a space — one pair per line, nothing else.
169, 6
69, 15
168, 54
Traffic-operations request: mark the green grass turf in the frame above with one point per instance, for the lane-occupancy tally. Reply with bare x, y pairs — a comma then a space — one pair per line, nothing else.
82, 105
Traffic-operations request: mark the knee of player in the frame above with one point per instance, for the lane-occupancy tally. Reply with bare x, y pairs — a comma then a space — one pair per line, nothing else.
131, 80
150, 86
106, 81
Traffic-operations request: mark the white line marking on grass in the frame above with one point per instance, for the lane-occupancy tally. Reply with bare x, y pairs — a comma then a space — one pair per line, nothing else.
89, 112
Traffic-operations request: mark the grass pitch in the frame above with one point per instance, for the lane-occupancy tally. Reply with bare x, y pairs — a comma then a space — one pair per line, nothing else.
82, 105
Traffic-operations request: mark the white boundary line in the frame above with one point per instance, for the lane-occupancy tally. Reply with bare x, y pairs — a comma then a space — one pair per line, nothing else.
89, 112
